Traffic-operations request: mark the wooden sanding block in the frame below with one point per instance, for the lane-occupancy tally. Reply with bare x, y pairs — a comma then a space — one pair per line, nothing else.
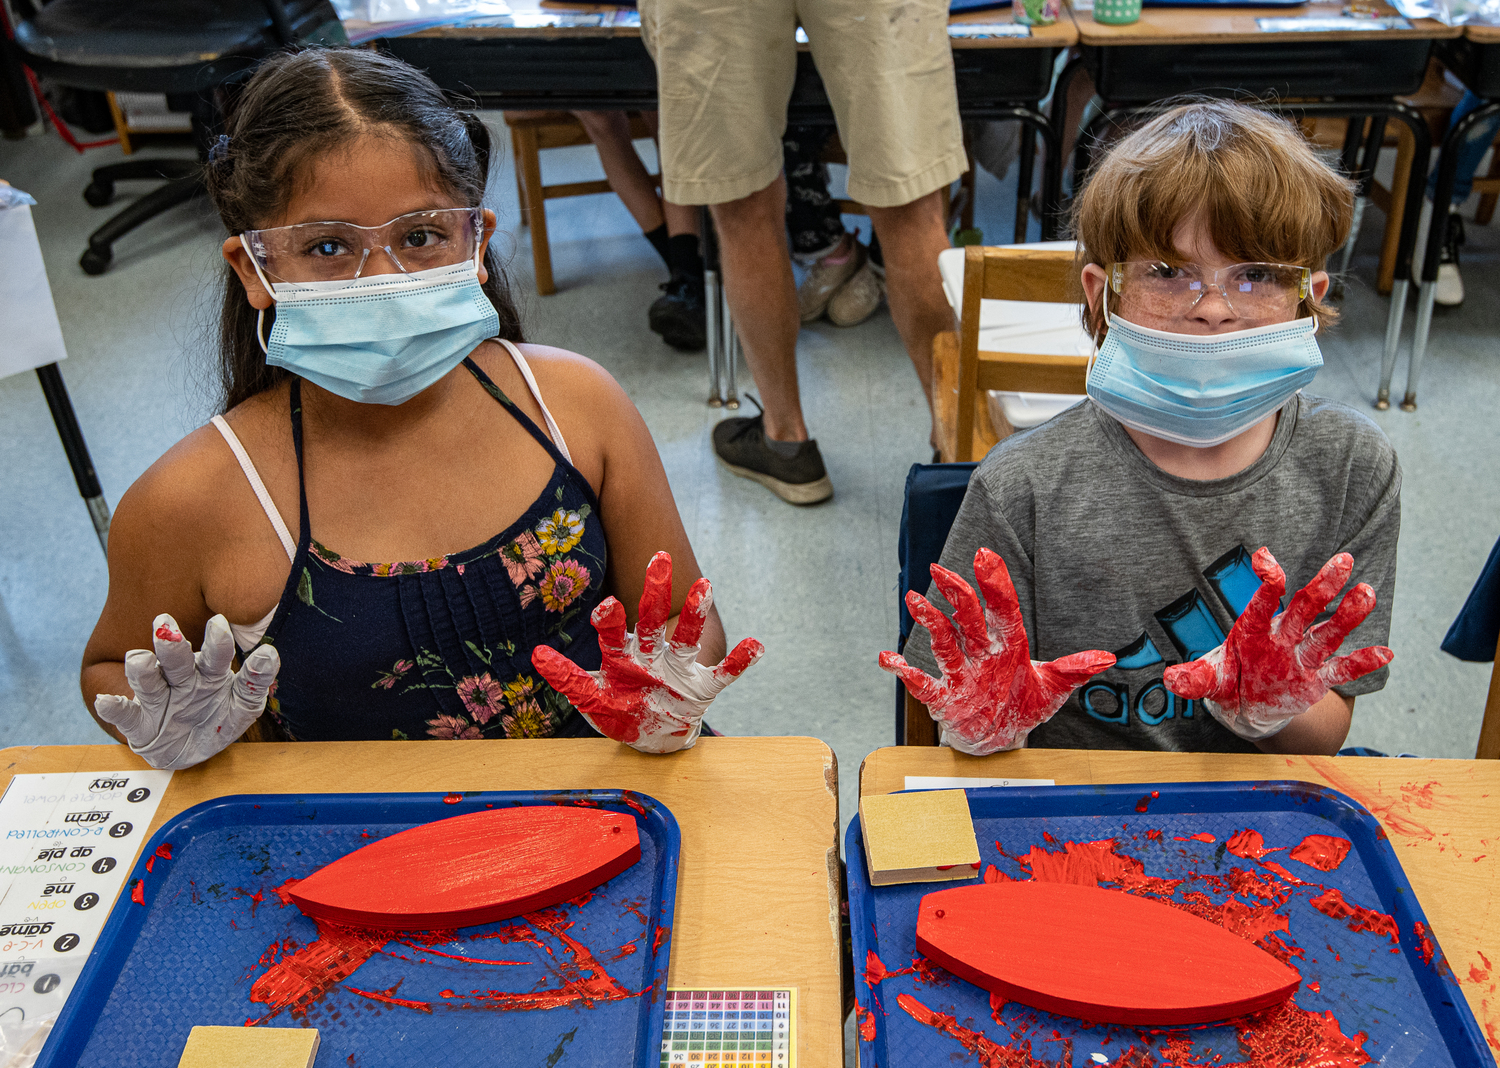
920, 837
250, 1047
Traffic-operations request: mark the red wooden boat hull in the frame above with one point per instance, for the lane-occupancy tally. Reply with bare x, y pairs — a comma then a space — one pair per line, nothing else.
476, 868
1099, 955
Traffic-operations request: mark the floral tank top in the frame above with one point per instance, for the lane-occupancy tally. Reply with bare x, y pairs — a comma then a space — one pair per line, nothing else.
441, 648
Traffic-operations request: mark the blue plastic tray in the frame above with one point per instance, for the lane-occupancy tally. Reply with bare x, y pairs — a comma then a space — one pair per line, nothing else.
192, 953
1403, 998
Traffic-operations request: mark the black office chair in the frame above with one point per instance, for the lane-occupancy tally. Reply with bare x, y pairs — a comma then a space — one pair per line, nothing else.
190, 50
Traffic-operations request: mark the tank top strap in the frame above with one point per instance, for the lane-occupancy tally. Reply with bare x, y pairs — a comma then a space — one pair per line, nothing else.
556, 445
259, 487
305, 541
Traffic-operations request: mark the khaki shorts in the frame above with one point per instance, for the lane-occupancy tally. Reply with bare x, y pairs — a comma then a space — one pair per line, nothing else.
725, 70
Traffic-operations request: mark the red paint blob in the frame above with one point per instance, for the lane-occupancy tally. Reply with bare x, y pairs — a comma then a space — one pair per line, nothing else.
1425, 948
866, 1023
1145, 802
1202, 836
661, 933
1321, 851
167, 634
138, 891
1331, 903
452, 799
1248, 844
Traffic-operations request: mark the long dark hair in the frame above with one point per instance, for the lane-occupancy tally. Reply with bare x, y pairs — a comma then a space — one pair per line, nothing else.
300, 105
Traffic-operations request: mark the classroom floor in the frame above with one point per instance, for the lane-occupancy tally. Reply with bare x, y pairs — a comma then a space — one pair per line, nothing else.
816, 585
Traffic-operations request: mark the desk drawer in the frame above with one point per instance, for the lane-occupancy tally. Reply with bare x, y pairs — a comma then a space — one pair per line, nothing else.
1139, 73
1477, 65
984, 77
543, 73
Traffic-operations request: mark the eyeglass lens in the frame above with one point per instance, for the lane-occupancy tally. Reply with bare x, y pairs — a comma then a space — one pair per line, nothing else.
1252, 290
334, 251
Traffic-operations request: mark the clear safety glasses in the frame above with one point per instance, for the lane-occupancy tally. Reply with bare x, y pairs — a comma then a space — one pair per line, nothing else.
340, 251
1252, 290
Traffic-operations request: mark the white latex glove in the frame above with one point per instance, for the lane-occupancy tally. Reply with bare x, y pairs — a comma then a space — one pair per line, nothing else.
649, 692
188, 706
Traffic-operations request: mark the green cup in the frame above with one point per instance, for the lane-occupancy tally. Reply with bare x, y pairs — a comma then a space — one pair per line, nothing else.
1117, 12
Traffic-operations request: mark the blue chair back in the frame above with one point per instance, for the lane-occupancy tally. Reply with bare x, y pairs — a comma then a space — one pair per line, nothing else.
1476, 631
933, 494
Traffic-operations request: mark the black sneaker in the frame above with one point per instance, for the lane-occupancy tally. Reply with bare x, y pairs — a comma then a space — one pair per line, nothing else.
679, 314
740, 445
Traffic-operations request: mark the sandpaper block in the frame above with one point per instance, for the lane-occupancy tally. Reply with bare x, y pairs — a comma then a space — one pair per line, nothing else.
920, 837
250, 1047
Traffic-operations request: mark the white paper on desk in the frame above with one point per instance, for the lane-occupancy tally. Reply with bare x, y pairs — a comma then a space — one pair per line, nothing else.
408, 10
946, 782
988, 29
67, 842
28, 319
1330, 24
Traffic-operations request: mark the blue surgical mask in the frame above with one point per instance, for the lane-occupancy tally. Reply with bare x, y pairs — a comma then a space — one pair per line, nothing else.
381, 339
1201, 389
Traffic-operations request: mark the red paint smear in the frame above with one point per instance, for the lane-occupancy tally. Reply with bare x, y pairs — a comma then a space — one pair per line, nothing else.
661, 933
594, 985
628, 798
993, 874
1271, 865
1321, 851
1092, 863
1281, 1037
167, 634
1145, 802
866, 1023
1394, 813
450, 799
284, 891
1047, 835
1153, 835
295, 982
138, 891
1425, 948
1331, 903
1314, 986
1248, 844
164, 851
388, 996
626, 950
1201, 836
996, 1004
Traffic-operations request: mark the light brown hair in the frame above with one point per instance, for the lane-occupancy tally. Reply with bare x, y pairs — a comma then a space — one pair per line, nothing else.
1263, 192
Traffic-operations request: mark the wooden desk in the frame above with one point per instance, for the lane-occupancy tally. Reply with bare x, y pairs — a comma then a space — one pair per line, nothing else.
758, 891
1236, 25
1442, 816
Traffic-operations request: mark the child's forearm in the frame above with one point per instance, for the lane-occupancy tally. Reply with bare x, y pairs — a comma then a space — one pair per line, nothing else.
1321, 730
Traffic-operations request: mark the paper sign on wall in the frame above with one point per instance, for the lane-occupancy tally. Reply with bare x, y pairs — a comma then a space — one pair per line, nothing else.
28, 319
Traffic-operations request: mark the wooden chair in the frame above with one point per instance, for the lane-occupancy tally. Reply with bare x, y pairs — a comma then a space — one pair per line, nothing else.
530, 133
962, 374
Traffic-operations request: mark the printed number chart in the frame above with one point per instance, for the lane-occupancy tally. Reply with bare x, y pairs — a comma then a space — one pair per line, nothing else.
67, 842
710, 1028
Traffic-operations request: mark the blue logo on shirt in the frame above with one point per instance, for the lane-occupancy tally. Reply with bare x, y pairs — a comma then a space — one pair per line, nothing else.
1192, 629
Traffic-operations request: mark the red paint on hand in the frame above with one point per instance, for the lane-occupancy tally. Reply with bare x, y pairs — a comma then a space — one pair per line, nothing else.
649, 692
1276, 665
1322, 851
167, 634
991, 694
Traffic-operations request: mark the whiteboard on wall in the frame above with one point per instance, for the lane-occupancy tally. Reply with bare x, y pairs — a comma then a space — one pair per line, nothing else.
30, 335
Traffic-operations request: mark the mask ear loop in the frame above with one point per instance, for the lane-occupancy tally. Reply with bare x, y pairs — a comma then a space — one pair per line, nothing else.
260, 315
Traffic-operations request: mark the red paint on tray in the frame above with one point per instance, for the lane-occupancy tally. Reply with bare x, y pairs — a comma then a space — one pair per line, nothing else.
1153, 835
295, 982
630, 800
866, 1023
138, 891
389, 997
1271, 865
1425, 948
1331, 903
164, 851
626, 950
1322, 851
997, 1003
1313, 985
661, 933
1248, 844
1202, 836
452, 799
991, 1054
1145, 802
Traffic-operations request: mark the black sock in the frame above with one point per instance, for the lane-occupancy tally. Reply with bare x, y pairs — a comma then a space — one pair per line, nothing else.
659, 241
683, 255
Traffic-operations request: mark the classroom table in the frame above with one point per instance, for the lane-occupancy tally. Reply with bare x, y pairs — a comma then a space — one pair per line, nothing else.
1475, 60
759, 886
1442, 817
1335, 73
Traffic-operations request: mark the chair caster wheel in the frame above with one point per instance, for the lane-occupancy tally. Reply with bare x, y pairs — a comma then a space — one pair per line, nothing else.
95, 262
99, 194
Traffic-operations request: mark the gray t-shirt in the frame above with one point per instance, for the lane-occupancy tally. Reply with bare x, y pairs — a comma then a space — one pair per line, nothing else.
1108, 551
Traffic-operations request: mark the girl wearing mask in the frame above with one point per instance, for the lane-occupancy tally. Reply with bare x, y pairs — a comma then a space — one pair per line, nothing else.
381, 413
1157, 524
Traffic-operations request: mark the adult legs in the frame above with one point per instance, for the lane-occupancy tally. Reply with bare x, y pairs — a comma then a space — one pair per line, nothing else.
610, 132
763, 300
911, 236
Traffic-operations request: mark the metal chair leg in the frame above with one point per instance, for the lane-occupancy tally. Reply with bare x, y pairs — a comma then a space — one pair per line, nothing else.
731, 358
712, 298
1392, 342
1426, 296
78, 451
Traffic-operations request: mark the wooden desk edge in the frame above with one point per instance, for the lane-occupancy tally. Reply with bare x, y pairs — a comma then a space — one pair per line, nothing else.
1150, 31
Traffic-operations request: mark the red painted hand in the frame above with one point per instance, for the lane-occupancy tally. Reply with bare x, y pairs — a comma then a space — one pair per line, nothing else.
650, 691
992, 694
1273, 666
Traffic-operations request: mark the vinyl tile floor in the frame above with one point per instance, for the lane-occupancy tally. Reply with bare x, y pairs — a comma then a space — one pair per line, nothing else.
817, 585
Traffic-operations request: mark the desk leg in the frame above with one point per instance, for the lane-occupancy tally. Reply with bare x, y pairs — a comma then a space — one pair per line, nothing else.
713, 302
77, 450
731, 352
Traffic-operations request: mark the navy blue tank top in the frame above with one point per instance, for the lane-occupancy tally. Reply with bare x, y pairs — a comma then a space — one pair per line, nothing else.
441, 648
